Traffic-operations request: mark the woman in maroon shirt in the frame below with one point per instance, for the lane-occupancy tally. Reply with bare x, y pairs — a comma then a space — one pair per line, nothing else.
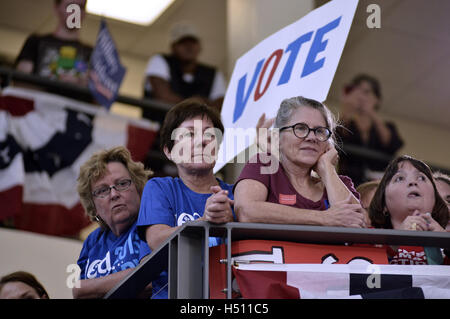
291, 193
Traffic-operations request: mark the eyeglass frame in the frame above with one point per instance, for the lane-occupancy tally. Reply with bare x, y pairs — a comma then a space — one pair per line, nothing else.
129, 181
309, 130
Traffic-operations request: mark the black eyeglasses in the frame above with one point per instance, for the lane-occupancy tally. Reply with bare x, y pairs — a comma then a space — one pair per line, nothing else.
301, 130
104, 191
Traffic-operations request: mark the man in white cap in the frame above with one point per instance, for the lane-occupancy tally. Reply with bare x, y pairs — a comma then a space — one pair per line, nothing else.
175, 77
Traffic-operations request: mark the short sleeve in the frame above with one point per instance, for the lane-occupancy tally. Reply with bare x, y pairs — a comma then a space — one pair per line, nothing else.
157, 66
29, 50
219, 86
156, 207
85, 251
82, 261
144, 250
350, 186
255, 169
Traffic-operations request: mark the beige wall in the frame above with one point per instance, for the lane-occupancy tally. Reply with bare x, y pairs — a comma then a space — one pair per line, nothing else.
46, 257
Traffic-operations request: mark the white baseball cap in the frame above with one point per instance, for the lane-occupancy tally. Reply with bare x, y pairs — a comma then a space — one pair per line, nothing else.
181, 31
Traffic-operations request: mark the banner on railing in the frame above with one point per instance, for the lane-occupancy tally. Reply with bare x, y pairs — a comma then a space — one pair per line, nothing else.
44, 139
300, 59
351, 281
280, 252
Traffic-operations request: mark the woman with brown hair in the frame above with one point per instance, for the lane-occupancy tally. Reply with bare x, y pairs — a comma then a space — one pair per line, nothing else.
407, 199
190, 137
21, 285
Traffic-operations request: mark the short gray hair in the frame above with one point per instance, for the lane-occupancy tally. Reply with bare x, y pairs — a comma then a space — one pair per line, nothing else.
288, 106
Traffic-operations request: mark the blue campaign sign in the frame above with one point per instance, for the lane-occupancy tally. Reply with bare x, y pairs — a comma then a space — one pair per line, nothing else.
107, 72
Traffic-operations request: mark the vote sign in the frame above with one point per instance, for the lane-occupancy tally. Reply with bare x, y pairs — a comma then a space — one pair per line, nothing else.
300, 59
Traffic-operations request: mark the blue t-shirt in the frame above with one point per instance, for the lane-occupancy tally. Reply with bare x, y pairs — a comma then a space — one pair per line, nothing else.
167, 200
103, 253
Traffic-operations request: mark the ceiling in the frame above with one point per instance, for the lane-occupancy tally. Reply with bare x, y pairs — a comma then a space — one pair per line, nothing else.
408, 54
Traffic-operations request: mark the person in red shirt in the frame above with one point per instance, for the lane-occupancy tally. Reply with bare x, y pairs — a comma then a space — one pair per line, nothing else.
407, 199
291, 193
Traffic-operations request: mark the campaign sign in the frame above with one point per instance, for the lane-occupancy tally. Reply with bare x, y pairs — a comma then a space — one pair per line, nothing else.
107, 72
298, 60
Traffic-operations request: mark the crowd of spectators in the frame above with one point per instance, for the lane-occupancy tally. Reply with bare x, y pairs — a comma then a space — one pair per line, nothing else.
317, 181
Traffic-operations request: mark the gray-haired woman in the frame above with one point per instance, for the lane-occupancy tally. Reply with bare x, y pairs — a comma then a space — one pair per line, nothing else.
293, 194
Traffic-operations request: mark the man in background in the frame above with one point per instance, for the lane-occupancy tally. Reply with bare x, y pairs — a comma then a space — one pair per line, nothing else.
174, 77
171, 78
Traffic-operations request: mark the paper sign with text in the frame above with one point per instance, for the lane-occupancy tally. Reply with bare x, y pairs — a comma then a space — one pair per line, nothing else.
300, 59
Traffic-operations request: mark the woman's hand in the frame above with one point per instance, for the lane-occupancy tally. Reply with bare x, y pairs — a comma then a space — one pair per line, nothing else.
327, 161
432, 224
346, 214
263, 133
218, 207
416, 221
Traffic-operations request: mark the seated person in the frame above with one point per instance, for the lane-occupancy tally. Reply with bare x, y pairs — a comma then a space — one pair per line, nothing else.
59, 55
21, 285
407, 199
174, 77
362, 126
190, 136
110, 187
291, 194
443, 186
366, 191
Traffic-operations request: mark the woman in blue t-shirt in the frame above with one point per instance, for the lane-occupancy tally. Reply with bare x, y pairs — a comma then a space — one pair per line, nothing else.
190, 137
110, 187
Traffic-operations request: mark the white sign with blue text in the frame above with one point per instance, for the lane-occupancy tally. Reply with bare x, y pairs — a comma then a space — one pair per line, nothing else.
300, 59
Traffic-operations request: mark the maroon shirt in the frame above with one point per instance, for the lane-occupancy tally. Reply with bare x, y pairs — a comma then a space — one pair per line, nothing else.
280, 189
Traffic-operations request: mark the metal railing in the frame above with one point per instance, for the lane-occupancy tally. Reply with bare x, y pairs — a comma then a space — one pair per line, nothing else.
9, 75
185, 254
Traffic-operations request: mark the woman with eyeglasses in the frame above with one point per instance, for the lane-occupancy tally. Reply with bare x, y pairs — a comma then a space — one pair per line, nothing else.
293, 194
110, 185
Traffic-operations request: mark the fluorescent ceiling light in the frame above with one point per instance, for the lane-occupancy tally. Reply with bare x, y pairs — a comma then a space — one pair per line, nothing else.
143, 12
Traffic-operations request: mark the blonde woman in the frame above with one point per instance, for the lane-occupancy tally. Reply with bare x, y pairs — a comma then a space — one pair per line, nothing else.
110, 187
